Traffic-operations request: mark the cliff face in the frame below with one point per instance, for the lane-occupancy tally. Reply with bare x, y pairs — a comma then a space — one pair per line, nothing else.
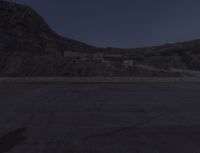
22, 29
27, 44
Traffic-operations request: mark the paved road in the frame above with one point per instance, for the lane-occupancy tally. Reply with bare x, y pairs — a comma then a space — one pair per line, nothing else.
100, 118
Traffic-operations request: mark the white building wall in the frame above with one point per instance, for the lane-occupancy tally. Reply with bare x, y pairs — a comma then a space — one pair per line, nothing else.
128, 63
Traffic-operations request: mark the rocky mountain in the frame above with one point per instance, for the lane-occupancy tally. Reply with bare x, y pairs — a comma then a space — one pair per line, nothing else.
185, 55
26, 37
29, 47
22, 29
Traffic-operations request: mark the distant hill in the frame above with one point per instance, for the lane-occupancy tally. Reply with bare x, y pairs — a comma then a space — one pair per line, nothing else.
29, 47
185, 55
22, 29
27, 42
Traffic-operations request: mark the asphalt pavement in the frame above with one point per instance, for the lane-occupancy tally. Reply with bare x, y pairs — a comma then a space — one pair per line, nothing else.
100, 118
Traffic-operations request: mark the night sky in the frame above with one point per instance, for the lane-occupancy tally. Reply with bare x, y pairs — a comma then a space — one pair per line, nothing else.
122, 23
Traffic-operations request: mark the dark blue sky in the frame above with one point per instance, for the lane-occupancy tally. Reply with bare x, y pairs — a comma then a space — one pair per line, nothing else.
122, 23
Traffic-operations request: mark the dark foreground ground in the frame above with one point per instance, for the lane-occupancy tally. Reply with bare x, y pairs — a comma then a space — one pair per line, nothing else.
100, 118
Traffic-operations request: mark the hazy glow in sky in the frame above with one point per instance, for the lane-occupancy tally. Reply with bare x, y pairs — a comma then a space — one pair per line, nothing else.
122, 23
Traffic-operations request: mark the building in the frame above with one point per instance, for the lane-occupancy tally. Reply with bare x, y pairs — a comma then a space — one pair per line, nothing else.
128, 63
84, 55
77, 55
98, 57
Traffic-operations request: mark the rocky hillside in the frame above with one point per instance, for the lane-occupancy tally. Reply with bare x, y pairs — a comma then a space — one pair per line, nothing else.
29, 47
27, 42
184, 55
22, 29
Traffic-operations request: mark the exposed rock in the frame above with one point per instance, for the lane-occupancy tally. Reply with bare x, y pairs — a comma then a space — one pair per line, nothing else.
29, 47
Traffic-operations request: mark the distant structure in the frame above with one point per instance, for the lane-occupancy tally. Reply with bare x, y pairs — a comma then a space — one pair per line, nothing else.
106, 59
78, 55
83, 55
128, 63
